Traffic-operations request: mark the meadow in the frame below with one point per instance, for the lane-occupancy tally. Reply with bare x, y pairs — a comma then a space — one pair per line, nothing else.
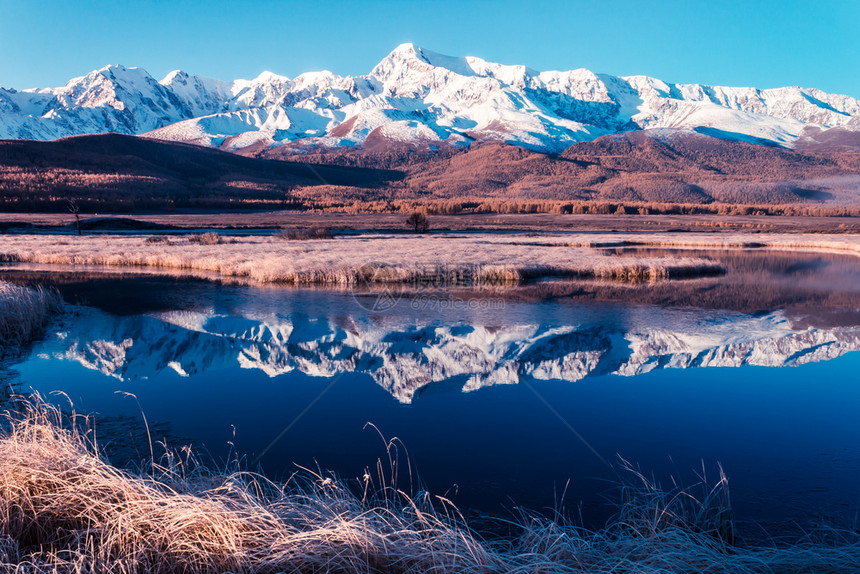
402, 258
485, 258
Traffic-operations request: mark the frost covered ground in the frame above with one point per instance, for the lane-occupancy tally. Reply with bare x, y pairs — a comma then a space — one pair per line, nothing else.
476, 257
482, 258
65, 509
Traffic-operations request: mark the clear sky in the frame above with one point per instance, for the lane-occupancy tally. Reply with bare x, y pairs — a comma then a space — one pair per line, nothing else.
737, 43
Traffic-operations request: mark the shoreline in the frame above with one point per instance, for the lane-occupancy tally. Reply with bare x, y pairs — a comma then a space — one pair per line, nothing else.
251, 220
444, 258
66, 508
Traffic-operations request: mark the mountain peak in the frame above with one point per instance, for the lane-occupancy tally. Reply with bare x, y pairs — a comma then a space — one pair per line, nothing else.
267, 77
400, 56
408, 59
122, 71
414, 95
404, 48
175, 75
113, 67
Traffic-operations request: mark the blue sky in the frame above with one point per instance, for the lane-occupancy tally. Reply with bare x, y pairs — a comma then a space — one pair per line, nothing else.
761, 43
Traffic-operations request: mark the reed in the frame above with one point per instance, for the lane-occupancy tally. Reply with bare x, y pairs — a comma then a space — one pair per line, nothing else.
208, 238
484, 258
65, 509
303, 233
24, 311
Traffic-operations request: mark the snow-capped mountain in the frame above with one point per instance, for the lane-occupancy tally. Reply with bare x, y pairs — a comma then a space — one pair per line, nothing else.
403, 357
414, 96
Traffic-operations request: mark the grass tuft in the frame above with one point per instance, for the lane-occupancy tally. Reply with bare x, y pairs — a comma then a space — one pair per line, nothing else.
303, 233
24, 312
158, 239
207, 239
65, 509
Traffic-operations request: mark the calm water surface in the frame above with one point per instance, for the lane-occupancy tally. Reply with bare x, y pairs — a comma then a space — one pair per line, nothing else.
502, 397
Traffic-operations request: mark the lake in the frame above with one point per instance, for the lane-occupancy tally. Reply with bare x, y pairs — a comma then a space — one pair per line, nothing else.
502, 397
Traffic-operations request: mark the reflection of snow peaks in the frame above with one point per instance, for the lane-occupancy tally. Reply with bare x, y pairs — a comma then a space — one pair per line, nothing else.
105, 356
405, 358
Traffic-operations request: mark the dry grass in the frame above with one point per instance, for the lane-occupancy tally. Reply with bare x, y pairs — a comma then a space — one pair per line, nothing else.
24, 311
158, 239
303, 233
64, 509
473, 205
205, 239
485, 258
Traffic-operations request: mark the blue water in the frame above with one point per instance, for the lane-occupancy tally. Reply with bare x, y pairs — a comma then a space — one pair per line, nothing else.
788, 440
291, 378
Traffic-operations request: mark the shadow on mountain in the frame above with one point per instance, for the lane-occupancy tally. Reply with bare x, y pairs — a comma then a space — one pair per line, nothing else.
113, 172
734, 136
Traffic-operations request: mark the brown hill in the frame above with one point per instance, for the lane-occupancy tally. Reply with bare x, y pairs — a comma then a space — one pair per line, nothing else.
816, 140
655, 167
118, 172
661, 166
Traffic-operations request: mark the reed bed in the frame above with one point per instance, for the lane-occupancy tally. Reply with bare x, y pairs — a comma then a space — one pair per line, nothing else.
483, 258
65, 509
24, 311
303, 233
847, 244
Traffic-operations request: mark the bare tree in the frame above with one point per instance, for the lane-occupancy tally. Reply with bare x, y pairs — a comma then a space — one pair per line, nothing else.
75, 210
418, 222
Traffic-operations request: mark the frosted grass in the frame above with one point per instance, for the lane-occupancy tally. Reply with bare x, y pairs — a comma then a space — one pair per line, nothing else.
486, 258
24, 311
65, 509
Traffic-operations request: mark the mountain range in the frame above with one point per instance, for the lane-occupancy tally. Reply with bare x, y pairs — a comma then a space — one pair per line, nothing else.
417, 97
428, 129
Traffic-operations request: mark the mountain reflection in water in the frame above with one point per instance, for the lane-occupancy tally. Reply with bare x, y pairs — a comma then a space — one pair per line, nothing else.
403, 355
219, 363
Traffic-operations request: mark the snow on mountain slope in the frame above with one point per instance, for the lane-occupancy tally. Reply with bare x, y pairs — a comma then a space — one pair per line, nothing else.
245, 127
414, 95
201, 96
